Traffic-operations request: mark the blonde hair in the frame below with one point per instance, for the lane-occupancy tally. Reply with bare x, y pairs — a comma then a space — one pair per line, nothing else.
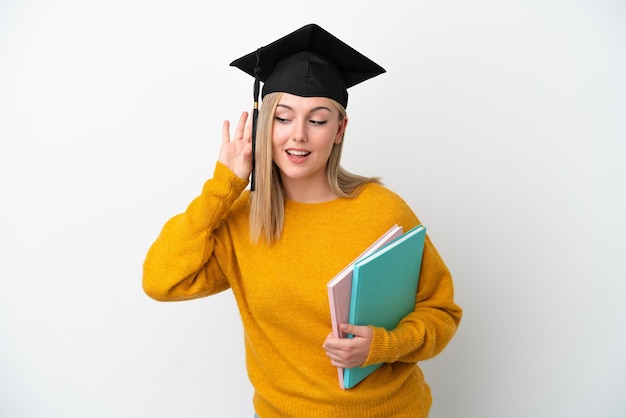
267, 202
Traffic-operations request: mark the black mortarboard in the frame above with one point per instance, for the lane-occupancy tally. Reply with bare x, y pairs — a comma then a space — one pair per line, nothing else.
309, 62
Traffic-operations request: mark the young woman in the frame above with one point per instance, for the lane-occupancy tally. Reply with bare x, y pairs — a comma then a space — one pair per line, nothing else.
277, 247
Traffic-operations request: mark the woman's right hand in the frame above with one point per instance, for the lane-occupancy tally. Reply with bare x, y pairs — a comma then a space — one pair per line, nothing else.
236, 154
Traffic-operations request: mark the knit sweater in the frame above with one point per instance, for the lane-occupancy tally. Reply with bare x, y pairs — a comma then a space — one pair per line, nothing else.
282, 297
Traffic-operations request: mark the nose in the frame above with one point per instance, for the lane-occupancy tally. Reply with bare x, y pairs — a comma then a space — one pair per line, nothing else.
299, 131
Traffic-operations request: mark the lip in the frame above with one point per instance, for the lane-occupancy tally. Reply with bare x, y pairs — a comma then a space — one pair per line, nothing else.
297, 155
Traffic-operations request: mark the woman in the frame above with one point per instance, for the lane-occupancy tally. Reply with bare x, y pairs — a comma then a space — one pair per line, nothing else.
276, 247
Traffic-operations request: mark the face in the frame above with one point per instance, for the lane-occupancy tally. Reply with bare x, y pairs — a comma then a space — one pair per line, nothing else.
304, 131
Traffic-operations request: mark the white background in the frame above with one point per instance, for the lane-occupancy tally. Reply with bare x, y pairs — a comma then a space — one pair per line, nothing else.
500, 122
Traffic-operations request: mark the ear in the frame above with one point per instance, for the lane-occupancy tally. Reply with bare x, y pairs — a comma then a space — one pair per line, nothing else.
341, 130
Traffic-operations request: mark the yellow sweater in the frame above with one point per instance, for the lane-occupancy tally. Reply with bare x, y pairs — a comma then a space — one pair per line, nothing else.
282, 298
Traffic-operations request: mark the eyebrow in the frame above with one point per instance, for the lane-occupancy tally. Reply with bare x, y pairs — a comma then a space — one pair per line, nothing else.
310, 111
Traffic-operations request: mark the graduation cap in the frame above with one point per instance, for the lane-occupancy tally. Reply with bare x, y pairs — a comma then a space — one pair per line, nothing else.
308, 62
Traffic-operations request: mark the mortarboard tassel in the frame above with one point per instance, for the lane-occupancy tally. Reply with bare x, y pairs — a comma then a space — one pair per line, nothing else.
255, 114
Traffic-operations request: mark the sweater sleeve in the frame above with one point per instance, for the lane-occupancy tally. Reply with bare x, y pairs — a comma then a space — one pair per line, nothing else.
426, 331
189, 259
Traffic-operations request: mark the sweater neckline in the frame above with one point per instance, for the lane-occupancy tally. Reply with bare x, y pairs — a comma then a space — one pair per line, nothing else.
338, 203
305, 207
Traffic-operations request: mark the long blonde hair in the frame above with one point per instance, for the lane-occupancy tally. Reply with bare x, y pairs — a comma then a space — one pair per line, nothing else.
267, 202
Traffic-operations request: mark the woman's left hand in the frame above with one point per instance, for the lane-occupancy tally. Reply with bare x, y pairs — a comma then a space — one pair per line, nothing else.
349, 352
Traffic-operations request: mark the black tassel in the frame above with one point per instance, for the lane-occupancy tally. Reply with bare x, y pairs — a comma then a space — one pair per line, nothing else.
255, 115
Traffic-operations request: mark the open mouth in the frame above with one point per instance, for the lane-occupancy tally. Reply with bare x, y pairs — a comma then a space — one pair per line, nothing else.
297, 153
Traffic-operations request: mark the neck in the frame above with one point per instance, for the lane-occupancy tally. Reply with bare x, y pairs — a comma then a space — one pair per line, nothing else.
308, 190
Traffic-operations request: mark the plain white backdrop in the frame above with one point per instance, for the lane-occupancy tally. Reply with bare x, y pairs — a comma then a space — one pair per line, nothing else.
502, 123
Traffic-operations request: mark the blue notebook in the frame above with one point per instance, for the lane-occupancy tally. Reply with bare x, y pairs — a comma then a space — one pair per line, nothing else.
384, 288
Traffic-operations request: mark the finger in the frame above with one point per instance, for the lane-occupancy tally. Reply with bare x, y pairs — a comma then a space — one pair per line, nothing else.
331, 342
241, 125
356, 330
226, 132
346, 328
336, 361
248, 131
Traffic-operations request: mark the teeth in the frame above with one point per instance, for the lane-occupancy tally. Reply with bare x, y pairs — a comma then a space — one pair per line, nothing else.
297, 153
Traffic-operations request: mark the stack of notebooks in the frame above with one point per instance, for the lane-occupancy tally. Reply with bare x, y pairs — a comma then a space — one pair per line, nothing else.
378, 288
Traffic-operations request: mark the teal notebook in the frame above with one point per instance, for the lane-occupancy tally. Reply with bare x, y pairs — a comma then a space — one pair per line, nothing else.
384, 288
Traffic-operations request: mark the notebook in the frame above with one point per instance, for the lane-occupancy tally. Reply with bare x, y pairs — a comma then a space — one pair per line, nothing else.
340, 288
384, 289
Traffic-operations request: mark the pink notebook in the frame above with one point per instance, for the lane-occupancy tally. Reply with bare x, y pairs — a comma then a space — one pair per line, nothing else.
340, 288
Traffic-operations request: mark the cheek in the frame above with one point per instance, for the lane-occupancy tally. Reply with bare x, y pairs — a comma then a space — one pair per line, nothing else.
277, 142
332, 138
279, 134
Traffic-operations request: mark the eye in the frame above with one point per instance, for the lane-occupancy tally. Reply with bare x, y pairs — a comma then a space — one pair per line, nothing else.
281, 120
317, 122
